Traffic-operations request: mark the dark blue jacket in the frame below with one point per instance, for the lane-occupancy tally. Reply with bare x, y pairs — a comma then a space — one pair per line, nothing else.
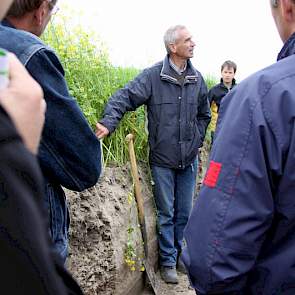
217, 92
178, 112
241, 233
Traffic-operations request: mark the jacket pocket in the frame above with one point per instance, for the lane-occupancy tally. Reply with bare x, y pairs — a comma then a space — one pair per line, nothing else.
192, 131
165, 110
153, 131
192, 108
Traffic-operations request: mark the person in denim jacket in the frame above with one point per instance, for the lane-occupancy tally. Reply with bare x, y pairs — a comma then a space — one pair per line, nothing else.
69, 152
29, 267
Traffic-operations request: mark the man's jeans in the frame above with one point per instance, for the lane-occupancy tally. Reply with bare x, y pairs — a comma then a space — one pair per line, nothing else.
58, 215
173, 191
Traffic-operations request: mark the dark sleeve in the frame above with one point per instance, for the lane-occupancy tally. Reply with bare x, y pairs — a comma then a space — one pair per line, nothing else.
235, 207
133, 95
210, 96
69, 153
204, 114
28, 266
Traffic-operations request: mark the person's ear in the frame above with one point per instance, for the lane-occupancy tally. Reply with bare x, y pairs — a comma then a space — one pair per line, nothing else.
172, 47
40, 13
288, 10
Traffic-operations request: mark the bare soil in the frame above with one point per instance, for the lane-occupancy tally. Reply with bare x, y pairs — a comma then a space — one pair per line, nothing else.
97, 241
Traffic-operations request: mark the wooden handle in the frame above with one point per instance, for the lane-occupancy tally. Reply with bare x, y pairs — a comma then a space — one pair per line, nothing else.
134, 172
139, 200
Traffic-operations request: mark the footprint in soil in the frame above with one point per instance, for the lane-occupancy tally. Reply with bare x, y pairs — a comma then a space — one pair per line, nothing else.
173, 289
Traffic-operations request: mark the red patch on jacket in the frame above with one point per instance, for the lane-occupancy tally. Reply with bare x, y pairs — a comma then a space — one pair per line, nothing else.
212, 174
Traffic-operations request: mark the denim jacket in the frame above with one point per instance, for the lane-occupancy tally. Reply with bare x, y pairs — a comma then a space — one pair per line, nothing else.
69, 152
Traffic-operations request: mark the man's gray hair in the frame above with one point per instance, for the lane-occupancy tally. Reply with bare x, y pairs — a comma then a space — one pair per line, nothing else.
171, 36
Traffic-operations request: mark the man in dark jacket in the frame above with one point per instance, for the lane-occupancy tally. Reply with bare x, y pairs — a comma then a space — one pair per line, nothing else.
227, 82
69, 152
178, 114
217, 92
240, 235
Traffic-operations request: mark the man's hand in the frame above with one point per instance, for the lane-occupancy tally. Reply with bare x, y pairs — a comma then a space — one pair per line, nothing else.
101, 131
23, 101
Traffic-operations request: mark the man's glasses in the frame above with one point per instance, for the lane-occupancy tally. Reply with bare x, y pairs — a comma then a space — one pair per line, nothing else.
53, 8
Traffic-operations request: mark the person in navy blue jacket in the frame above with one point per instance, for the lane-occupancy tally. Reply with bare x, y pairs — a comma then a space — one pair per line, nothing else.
241, 233
178, 112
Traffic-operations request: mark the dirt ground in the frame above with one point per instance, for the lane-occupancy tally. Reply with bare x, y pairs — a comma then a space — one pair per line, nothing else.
98, 215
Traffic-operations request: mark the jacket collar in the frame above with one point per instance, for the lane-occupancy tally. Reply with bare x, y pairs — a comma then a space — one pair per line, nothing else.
6, 23
191, 75
232, 85
288, 48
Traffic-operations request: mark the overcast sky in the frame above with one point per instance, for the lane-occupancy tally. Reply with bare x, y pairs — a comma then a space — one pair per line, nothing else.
240, 30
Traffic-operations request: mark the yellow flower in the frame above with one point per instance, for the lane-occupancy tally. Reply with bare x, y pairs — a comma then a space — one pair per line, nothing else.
130, 198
